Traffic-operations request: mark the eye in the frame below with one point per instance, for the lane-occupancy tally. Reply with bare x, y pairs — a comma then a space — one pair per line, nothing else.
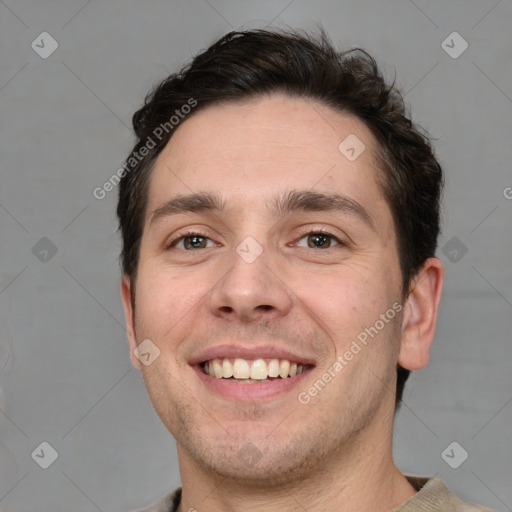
189, 241
317, 239
320, 239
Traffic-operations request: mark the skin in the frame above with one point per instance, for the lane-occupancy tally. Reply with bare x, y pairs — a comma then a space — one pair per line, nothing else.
336, 451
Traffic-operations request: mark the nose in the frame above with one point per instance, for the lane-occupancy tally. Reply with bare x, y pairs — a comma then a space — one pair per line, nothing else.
250, 290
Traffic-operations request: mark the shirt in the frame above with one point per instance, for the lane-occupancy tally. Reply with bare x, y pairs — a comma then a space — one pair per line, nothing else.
432, 496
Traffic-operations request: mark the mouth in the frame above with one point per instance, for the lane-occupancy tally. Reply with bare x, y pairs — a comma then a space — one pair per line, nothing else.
229, 376
252, 371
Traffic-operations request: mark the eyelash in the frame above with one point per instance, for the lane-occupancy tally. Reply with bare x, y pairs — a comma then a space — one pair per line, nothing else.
191, 233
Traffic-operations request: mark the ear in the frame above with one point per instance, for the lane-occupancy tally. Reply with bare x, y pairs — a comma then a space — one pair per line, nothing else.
420, 315
129, 315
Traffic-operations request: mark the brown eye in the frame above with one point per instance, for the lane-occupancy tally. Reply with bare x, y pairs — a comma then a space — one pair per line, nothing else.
190, 242
320, 240
194, 242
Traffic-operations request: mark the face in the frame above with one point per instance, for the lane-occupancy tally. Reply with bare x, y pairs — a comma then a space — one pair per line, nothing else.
262, 279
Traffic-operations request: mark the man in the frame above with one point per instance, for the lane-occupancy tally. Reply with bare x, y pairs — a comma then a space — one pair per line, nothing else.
279, 216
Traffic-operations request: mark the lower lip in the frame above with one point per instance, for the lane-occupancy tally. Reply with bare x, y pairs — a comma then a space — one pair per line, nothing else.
239, 390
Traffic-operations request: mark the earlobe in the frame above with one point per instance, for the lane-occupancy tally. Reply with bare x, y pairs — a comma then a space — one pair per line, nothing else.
420, 315
126, 297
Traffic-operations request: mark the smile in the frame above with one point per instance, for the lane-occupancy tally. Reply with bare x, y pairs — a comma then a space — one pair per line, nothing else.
252, 371
270, 378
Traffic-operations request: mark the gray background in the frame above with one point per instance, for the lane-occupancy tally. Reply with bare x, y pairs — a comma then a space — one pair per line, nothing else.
65, 372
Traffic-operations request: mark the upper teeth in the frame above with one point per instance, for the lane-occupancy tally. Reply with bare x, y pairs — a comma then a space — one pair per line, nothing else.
258, 369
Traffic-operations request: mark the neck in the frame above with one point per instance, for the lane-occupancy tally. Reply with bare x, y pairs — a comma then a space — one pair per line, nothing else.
360, 476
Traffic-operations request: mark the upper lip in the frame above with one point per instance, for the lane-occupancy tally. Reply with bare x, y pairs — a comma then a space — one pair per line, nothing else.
250, 353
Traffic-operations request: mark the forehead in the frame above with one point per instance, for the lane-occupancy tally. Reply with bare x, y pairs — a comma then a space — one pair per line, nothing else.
247, 151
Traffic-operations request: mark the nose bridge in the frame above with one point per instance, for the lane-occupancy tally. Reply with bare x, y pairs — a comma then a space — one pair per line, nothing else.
250, 286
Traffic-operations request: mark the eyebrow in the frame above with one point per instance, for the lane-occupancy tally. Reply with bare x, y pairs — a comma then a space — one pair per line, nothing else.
281, 205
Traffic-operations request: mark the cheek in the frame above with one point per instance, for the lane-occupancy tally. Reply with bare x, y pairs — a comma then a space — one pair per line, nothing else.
344, 299
165, 300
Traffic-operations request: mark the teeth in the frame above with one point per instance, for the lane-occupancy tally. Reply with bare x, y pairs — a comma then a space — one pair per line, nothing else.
217, 368
227, 369
257, 370
273, 368
241, 369
284, 368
